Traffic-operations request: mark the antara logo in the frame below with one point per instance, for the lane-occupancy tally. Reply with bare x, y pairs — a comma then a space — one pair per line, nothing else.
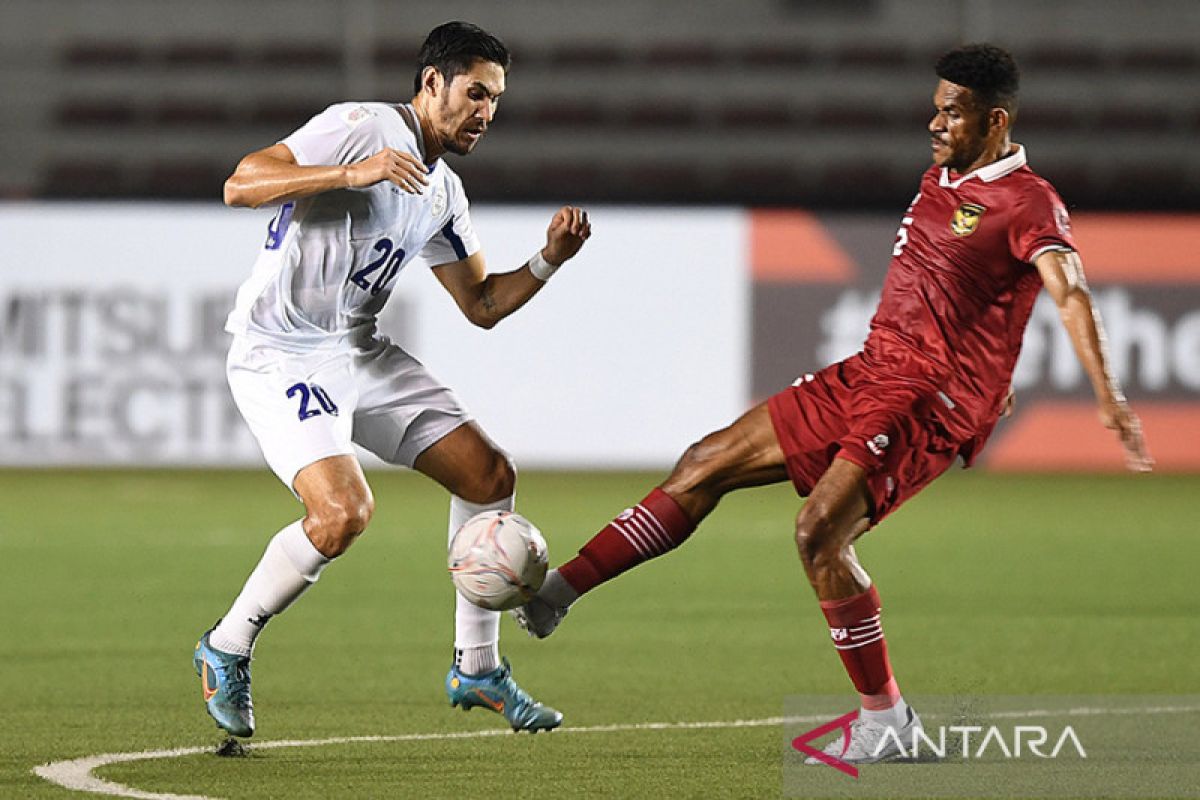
974, 742
1032, 737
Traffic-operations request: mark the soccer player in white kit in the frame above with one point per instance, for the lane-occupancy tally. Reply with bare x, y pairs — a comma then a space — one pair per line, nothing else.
363, 190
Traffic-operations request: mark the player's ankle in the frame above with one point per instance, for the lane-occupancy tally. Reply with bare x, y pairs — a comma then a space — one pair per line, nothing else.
476, 661
894, 716
557, 590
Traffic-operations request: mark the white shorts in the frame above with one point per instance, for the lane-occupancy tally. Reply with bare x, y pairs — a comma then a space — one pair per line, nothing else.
302, 407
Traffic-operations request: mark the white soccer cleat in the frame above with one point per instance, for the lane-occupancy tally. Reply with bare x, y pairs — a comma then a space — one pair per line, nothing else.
538, 617
870, 742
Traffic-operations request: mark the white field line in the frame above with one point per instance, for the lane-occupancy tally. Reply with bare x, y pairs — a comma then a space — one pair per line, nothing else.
76, 774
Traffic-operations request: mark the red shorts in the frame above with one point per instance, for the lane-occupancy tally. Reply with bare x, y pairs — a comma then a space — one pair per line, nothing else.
886, 426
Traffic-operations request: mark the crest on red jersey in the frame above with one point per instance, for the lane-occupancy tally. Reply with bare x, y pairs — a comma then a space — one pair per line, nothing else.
966, 219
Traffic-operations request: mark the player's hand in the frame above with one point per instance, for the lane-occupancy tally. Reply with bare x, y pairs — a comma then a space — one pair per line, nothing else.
1116, 415
401, 168
1010, 402
567, 232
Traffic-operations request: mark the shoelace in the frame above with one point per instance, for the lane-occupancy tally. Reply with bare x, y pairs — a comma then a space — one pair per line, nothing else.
522, 701
235, 677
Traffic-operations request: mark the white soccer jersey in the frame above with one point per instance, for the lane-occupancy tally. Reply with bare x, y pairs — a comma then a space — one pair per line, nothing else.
329, 262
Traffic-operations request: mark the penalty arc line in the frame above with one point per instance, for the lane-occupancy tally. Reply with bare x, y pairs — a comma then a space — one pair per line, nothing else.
76, 774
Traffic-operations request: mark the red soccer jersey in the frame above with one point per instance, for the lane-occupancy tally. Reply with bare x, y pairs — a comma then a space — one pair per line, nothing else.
961, 286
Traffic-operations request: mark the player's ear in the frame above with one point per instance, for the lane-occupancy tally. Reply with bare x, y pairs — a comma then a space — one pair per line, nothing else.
432, 80
999, 120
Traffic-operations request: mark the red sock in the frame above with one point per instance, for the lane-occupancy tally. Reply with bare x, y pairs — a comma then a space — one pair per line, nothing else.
857, 632
650, 529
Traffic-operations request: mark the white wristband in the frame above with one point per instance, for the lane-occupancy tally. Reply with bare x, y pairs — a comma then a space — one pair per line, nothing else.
541, 268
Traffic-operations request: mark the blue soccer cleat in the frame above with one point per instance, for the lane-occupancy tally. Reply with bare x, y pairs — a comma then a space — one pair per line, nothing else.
498, 691
225, 683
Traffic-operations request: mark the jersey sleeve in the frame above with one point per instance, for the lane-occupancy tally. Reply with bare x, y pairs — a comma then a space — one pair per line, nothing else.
344, 133
456, 239
1039, 223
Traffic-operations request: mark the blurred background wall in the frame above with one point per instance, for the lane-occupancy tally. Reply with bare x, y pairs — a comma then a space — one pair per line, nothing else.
792, 102
747, 164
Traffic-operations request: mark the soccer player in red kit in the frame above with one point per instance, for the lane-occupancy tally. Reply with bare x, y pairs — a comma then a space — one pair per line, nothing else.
982, 236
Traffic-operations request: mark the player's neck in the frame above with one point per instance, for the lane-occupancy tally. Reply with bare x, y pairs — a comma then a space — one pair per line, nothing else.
433, 149
991, 154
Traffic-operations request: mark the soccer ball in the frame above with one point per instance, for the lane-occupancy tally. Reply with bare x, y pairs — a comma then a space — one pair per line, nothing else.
498, 560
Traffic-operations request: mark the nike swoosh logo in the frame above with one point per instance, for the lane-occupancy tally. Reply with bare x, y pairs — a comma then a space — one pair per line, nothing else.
494, 705
208, 692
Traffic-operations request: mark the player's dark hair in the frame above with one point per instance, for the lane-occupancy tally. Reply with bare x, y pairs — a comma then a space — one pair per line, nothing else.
451, 48
988, 71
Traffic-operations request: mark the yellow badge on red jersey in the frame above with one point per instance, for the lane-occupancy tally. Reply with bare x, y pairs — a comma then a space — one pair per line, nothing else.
966, 219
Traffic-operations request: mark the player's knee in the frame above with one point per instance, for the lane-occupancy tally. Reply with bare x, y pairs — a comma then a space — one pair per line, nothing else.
816, 539
495, 482
336, 523
700, 467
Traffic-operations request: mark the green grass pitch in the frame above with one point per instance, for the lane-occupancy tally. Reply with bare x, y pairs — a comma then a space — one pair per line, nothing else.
991, 584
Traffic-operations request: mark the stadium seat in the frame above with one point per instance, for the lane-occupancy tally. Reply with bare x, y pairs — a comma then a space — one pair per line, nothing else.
661, 114
1138, 118
186, 179
690, 55
90, 54
594, 55
874, 55
844, 116
1161, 58
759, 115
297, 55
1058, 56
83, 179
774, 54
199, 54
565, 113
95, 113
191, 114
284, 113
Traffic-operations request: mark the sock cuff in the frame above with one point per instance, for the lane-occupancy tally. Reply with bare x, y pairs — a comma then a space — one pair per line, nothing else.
471, 509
851, 610
303, 554
886, 698
581, 574
668, 511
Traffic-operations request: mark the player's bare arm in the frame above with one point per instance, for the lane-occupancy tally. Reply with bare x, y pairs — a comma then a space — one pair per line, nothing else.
271, 175
1062, 273
485, 299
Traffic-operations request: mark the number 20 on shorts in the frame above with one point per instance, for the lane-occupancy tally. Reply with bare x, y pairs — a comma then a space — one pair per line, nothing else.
307, 393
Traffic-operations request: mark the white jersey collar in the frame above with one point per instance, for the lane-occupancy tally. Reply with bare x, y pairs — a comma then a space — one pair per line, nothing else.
988, 173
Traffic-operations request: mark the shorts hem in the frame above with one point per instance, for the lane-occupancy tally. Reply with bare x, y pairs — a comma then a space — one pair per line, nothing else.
320, 456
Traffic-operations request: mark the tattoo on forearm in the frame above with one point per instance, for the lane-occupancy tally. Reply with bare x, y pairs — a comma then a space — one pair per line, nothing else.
487, 300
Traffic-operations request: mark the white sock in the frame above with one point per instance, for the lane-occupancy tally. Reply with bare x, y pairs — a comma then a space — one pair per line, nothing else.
289, 565
477, 660
476, 630
556, 591
893, 717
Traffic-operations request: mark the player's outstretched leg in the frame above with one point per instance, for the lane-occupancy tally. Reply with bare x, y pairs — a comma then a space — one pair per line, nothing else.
836, 514
744, 454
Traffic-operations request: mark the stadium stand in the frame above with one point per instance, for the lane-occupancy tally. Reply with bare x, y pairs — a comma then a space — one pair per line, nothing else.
597, 96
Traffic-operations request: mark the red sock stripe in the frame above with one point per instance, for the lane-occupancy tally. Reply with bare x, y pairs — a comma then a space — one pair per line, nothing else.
856, 627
